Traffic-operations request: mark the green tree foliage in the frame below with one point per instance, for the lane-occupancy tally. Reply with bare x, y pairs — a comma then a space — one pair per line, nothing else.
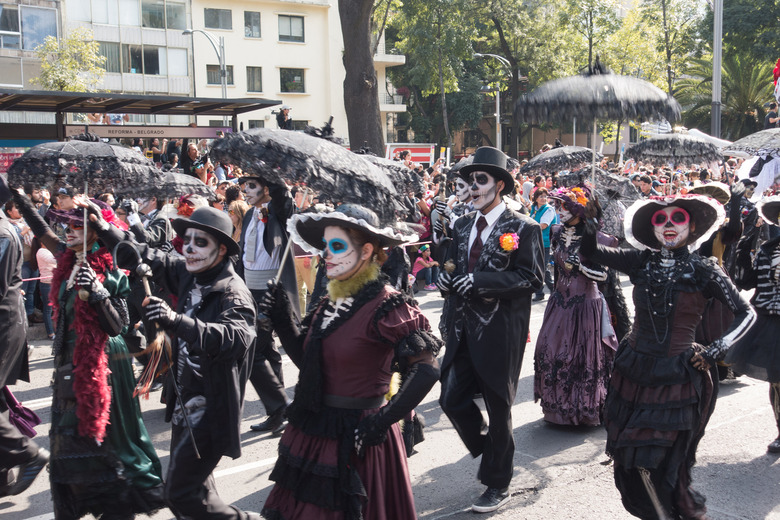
592, 20
72, 63
749, 28
746, 86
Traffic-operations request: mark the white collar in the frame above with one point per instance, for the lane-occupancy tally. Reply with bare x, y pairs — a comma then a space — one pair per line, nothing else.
494, 213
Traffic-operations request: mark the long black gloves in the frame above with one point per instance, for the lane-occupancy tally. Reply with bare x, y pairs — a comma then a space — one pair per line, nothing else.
372, 430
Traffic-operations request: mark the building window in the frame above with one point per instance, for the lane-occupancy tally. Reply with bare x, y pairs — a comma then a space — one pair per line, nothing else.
152, 14
251, 24
155, 60
299, 125
176, 16
37, 24
219, 19
290, 28
129, 13
212, 74
132, 59
177, 62
256, 123
9, 27
292, 80
254, 79
11, 72
113, 61
104, 12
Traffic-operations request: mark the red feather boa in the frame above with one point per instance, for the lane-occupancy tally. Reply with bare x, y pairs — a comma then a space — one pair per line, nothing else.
90, 360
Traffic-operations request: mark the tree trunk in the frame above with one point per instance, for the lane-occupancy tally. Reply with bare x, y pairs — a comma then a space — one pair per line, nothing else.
443, 96
515, 88
361, 93
668, 48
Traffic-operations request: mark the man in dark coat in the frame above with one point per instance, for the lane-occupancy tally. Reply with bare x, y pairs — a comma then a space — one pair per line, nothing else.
263, 241
498, 261
213, 336
16, 450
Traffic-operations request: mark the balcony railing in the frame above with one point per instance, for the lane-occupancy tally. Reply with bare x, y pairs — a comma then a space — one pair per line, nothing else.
388, 99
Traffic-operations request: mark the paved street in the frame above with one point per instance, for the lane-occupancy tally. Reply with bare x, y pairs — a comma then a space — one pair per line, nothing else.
560, 473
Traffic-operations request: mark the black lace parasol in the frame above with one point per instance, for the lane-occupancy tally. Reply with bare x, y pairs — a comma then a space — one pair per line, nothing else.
561, 158
676, 149
765, 142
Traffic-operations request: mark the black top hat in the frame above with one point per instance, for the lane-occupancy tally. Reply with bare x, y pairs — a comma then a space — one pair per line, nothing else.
748, 183
213, 222
493, 161
308, 229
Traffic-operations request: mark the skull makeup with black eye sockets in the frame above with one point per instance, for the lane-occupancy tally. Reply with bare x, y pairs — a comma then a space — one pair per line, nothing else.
254, 192
462, 190
201, 250
483, 189
342, 257
671, 226
564, 214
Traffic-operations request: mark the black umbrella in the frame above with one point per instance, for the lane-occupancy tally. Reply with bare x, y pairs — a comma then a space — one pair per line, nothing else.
561, 158
608, 185
174, 184
677, 149
326, 167
765, 142
99, 166
404, 179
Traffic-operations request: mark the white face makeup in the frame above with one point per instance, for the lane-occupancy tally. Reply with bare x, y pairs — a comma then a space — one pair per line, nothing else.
564, 214
201, 250
254, 192
483, 189
342, 257
671, 226
74, 237
462, 190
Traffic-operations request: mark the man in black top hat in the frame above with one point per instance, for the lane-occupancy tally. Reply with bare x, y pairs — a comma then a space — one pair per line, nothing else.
498, 259
263, 241
213, 336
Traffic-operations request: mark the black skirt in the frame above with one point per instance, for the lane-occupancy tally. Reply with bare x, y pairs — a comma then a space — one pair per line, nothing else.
757, 354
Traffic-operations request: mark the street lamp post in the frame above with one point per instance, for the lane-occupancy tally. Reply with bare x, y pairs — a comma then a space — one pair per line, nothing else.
219, 47
508, 65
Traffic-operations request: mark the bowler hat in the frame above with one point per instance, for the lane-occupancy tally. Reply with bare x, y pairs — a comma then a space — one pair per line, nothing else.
493, 161
212, 221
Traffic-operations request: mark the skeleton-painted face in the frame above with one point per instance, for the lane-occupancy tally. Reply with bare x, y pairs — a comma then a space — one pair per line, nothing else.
483, 189
462, 190
201, 250
255, 192
74, 237
672, 226
342, 257
564, 214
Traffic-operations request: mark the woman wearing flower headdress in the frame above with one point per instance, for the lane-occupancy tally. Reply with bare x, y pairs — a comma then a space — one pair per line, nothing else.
576, 342
342, 455
757, 354
664, 385
102, 459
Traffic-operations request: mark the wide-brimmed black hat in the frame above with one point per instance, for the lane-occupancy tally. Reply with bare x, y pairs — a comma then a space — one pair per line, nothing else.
706, 213
749, 183
493, 161
308, 229
214, 222
769, 209
717, 190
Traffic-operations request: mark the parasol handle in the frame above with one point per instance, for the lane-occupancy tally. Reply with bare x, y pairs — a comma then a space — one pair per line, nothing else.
83, 293
284, 259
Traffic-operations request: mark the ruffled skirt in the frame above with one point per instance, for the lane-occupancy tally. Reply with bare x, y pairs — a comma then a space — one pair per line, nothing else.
757, 354
572, 362
315, 482
655, 415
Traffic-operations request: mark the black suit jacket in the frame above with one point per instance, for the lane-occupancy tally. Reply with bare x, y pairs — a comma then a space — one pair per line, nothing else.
493, 322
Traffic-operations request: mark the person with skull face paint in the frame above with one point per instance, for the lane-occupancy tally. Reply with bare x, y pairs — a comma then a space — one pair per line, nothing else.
664, 385
263, 240
213, 335
757, 354
102, 462
576, 343
498, 262
342, 455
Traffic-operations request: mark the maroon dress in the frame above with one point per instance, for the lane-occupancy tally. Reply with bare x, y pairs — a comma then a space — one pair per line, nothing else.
318, 474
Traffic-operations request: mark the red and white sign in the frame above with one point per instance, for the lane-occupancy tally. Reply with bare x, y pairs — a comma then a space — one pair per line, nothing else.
6, 160
421, 153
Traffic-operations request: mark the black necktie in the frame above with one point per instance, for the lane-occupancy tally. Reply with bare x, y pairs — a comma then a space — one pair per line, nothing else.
476, 247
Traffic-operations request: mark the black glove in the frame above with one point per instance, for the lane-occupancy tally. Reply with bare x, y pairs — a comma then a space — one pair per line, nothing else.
372, 429
737, 190
129, 205
444, 283
87, 279
442, 207
159, 311
463, 285
99, 223
267, 302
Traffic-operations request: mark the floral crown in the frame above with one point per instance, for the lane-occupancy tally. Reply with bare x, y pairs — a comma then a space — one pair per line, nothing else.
573, 199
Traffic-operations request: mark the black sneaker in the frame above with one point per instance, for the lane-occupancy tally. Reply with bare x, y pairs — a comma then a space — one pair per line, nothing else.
774, 446
28, 471
491, 499
275, 423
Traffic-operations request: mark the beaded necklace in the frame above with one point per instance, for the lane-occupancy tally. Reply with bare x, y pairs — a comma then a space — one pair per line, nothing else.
662, 273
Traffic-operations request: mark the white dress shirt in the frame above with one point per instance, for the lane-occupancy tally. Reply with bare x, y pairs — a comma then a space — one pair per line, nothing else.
491, 218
